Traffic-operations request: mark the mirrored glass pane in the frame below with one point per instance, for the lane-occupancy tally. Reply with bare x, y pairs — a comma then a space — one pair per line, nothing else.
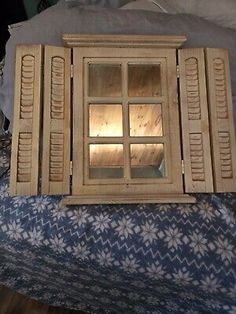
106, 161
104, 80
147, 161
144, 80
145, 120
105, 120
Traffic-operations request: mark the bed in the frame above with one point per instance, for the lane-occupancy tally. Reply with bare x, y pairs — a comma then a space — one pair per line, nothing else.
140, 258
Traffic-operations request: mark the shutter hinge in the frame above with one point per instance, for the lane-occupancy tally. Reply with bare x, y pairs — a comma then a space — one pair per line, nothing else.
71, 169
182, 166
177, 71
71, 70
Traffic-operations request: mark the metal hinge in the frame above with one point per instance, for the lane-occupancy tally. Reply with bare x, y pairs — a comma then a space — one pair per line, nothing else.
182, 166
71, 70
177, 71
71, 169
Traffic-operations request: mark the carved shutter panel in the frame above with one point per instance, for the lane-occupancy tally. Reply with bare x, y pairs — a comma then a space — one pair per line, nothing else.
56, 117
27, 108
221, 118
195, 123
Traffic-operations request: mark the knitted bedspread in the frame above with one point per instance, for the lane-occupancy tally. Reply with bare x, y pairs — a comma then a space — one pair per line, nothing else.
141, 258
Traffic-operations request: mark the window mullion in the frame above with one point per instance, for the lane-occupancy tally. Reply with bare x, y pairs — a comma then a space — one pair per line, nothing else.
125, 102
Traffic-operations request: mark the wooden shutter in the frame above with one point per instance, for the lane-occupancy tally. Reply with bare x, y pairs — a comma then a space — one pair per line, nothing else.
194, 118
221, 120
56, 118
26, 125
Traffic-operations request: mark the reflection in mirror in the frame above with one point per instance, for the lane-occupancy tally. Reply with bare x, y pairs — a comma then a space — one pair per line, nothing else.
147, 161
145, 120
144, 80
105, 120
104, 80
106, 161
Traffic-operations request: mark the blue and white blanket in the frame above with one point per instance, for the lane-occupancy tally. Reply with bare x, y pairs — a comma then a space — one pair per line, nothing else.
150, 258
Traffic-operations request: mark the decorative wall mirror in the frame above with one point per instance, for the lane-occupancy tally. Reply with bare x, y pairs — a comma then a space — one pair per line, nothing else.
126, 116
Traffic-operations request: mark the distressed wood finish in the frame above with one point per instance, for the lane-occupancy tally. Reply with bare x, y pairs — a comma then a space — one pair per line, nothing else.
56, 127
195, 125
125, 41
26, 125
221, 118
126, 189
126, 145
128, 199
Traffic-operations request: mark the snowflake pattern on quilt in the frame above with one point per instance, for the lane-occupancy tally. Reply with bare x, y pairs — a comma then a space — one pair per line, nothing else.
140, 258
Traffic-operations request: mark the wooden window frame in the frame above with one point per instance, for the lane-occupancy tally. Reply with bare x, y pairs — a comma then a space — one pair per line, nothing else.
197, 120
127, 190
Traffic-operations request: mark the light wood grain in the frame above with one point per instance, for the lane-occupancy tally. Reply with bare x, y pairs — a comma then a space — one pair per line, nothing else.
27, 121
138, 78
123, 41
56, 121
221, 120
194, 120
128, 199
127, 187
